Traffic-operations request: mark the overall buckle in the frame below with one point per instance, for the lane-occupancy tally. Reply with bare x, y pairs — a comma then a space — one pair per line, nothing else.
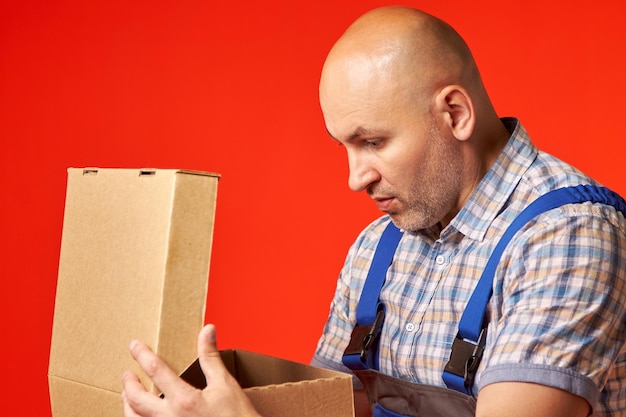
363, 338
465, 358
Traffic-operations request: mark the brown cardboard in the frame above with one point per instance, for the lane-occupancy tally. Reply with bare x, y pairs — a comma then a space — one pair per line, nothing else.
281, 388
134, 264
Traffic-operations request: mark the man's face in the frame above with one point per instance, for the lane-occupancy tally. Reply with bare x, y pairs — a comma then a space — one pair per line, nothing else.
396, 152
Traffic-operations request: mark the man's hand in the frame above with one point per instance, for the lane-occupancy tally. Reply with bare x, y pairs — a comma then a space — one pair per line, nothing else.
221, 398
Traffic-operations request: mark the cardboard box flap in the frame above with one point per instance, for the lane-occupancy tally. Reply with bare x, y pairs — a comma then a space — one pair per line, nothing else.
316, 398
73, 399
134, 264
255, 370
281, 388
145, 171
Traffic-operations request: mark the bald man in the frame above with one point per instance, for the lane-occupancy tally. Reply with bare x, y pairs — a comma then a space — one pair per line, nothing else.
401, 93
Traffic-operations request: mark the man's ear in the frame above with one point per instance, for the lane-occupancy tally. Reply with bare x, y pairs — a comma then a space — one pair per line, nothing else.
455, 105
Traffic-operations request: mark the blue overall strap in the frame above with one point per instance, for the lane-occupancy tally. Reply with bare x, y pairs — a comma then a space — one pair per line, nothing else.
469, 342
362, 351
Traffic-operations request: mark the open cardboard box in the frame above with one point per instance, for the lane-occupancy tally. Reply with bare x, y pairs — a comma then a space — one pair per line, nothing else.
134, 264
281, 388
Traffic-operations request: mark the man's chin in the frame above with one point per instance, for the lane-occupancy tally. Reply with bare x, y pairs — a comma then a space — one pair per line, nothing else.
400, 222
408, 224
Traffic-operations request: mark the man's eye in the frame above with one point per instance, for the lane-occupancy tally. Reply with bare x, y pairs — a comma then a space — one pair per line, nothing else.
373, 143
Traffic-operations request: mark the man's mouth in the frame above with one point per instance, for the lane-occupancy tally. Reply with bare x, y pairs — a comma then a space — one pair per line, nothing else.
384, 203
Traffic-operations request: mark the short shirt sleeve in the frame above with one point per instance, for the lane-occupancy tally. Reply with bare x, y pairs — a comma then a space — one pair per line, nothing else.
558, 313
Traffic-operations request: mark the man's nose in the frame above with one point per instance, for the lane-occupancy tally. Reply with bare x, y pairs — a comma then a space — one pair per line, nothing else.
362, 173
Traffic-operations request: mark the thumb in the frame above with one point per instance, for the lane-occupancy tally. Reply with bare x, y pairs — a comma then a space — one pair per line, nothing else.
222, 390
210, 359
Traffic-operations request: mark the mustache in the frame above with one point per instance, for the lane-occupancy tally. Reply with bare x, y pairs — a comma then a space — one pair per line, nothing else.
379, 191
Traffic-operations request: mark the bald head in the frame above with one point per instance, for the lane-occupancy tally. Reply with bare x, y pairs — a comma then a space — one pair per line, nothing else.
407, 42
404, 48
392, 51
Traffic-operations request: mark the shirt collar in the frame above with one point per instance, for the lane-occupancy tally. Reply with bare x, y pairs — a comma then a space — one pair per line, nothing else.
495, 189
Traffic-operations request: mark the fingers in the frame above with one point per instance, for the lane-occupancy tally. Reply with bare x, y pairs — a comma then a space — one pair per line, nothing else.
136, 400
128, 411
223, 396
161, 375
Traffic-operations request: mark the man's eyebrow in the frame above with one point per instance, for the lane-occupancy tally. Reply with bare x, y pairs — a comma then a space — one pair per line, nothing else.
358, 132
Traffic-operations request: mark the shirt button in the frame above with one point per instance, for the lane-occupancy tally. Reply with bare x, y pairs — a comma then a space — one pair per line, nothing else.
440, 259
409, 327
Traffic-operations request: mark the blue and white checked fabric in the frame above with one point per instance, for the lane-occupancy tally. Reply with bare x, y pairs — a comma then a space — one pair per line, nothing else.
558, 311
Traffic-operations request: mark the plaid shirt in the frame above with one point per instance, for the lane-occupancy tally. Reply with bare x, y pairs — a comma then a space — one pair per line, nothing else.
558, 310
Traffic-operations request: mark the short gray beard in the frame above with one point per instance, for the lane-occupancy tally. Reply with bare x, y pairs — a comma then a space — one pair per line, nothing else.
425, 210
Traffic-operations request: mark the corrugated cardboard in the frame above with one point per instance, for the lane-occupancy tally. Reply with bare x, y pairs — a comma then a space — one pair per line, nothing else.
281, 388
134, 264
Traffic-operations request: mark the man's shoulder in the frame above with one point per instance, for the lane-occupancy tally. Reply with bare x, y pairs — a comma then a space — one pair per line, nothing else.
548, 173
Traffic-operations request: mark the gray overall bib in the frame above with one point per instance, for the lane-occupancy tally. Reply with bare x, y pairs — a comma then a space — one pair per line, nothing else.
392, 397
405, 398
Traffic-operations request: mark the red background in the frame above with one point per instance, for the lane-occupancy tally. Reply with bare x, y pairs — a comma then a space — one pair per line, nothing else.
231, 87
